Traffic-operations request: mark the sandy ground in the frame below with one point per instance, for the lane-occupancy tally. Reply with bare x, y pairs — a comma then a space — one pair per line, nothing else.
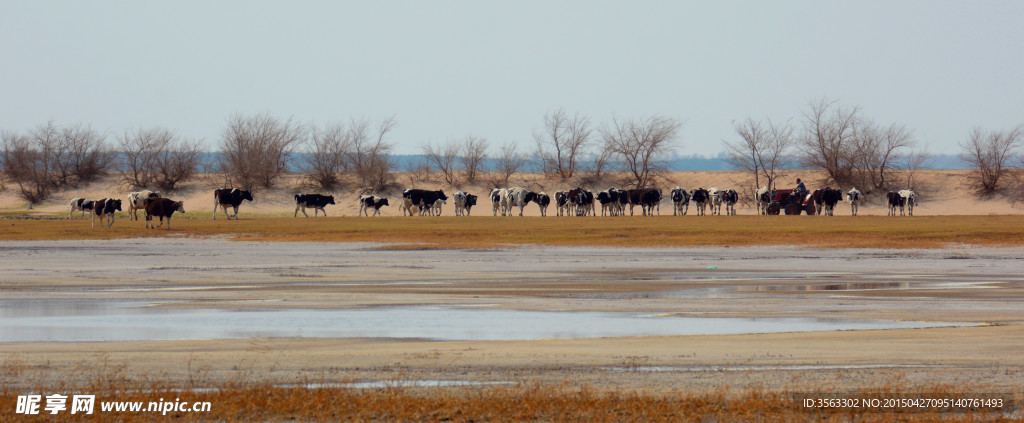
941, 192
982, 288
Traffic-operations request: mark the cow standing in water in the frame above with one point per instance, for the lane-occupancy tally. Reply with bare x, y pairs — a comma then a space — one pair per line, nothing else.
229, 197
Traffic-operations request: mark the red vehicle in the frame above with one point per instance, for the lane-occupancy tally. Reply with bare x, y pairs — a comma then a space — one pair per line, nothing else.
783, 200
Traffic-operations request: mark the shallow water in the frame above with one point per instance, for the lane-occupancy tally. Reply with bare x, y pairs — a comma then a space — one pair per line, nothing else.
32, 321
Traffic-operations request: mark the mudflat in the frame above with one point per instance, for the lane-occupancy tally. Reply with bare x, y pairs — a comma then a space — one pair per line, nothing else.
980, 291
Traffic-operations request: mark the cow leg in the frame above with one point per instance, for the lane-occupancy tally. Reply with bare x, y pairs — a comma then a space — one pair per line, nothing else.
168, 222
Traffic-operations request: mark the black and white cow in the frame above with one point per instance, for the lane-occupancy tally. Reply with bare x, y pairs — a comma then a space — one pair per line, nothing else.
582, 201
367, 202
229, 197
463, 203
80, 204
909, 199
609, 200
730, 197
520, 197
316, 202
715, 200
562, 203
137, 201
680, 201
105, 209
623, 201
426, 200
496, 195
543, 201
700, 197
853, 196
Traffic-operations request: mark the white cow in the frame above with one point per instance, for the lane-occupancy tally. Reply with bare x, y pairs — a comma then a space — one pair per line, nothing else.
909, 199
716, 200
137, 201
763, 197
519, 197
853, 196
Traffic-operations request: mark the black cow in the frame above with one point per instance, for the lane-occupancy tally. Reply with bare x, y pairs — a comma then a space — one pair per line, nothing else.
368, 202
104, 209
316, 202
424, 199
229, 197
895, 200
730, 197
700, 197
161, 207
649, 200
829, 198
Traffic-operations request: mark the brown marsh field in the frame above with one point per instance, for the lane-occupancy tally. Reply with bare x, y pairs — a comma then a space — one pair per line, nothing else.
633, 231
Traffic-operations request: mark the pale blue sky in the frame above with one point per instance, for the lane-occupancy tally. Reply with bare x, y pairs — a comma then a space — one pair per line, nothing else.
447, 69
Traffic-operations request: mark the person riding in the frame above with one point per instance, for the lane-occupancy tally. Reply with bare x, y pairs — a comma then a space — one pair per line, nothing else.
800, 188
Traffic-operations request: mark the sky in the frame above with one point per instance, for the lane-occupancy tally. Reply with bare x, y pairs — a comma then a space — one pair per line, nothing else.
446, 70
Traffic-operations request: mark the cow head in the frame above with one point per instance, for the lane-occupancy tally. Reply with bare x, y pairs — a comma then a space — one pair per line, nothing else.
441, 196
382, 202
246, 195
179, 206
115, 204
330, 199
470, 200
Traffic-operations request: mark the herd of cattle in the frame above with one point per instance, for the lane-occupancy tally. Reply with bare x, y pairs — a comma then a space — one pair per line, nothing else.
577, 201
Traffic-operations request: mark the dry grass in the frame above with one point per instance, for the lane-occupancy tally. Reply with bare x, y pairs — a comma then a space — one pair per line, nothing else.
483, 232
239, 402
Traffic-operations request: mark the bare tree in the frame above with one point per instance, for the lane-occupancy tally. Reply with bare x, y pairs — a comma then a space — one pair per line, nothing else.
443, 158
28, 164
762, 151
877, 151
641, 145
328, 147
508, 163
255, 149
911, 163
158, 158
87, 153
828, 139
561, 142
473, 156
990, 156
369, 160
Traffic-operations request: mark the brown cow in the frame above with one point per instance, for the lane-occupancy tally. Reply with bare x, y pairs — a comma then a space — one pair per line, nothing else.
162, 207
